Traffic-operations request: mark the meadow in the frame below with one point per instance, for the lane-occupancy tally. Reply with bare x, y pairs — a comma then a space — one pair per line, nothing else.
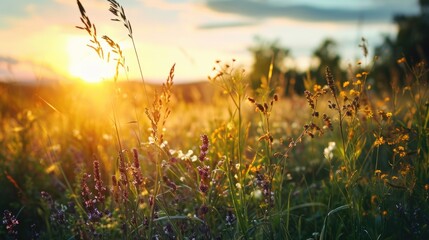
215, 160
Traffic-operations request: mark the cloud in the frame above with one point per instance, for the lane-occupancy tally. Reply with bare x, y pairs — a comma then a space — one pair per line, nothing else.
8, 60
6, 64
18, 9
226, 25
263, 9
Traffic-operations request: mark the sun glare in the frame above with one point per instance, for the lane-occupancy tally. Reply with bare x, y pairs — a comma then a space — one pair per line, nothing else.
85, 64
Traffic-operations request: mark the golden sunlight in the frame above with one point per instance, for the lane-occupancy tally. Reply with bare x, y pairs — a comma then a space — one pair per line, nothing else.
85, 64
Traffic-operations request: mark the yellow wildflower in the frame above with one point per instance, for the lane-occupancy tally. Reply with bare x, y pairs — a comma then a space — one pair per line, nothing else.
346, 83
353, 92
379, 141
317, 87
401, 60
405, 137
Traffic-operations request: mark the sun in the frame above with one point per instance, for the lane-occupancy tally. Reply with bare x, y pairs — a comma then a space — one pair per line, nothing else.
85, 64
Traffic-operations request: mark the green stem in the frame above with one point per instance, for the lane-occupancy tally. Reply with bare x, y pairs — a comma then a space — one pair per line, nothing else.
140, 69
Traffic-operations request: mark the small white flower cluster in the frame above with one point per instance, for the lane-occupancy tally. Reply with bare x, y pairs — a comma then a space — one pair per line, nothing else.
185, 156
328, 151
152, 141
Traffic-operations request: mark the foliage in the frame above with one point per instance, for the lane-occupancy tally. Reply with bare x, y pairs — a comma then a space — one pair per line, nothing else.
342, 162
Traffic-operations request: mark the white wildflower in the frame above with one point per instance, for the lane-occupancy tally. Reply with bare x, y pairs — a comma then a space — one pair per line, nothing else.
328, 151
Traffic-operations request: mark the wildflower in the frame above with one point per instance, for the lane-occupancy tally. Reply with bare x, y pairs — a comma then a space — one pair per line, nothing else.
358, 75
34, 233
123, 169
330, 80
186, 156
383, 115
230, 217
237, 166
389, 115
98, 182
317, 87
85, 191
10, 221
204, 188
47, 198
164, 143
328, 122
194, 158
354, 92
378, 171
369, 113
405, 137
257, 194
327, 152
400, 150
203, 210
401, 60
379, 141
204, 148
138, 178
204, 172
346, 83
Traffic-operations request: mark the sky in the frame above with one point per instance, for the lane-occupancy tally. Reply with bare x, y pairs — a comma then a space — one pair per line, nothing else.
39, 40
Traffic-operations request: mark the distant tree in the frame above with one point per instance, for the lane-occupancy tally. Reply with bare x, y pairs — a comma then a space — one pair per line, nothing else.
411, 42
264, 53
413, 35
327, 56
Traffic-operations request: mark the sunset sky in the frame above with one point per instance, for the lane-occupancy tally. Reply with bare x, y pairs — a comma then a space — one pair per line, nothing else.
39, 40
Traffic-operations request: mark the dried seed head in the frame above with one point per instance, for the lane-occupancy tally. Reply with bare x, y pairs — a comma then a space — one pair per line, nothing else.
260, 107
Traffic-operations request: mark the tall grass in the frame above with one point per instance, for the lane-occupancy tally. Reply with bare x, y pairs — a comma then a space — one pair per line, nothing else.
339, 163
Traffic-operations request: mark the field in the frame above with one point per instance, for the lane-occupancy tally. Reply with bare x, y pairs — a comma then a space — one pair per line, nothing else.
218, 159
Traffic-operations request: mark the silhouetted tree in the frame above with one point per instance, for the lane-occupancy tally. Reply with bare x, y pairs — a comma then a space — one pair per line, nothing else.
411, 42
327, 56
264, 53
